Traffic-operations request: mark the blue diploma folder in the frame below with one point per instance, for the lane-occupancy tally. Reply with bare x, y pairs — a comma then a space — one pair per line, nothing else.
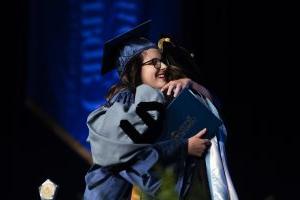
186, 115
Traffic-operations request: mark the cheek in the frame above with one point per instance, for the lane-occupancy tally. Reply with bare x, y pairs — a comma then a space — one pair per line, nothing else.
160, 84
143, 75
147, 75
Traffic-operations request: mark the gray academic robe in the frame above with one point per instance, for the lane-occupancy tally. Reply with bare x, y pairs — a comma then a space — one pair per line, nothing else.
120, 163
113, 153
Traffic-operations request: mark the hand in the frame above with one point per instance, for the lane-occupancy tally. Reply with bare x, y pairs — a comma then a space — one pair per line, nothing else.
176, 86
197, 145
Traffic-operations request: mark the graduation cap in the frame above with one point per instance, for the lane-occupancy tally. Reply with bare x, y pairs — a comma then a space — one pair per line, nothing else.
119, 50
174, 54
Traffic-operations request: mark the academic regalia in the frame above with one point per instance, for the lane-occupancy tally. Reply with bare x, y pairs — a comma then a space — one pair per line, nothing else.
119, 161
213, 175
118, 51
135, 165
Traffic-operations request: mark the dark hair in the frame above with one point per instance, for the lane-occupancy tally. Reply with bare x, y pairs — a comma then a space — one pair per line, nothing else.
130, 78
173, 72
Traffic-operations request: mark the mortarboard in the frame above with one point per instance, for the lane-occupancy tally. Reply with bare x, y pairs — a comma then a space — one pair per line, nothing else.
174, 54
119, 50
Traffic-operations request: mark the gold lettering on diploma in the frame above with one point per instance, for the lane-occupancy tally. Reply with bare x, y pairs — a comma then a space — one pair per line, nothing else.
184, 127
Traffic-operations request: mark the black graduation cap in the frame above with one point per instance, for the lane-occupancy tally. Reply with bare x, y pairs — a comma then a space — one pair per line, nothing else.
119, 50
174, 54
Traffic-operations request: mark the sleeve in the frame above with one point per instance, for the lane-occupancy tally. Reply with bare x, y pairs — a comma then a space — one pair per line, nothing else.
142, 173
171, 150
101, 184
107, 135
208, 94
120, 111
101, 180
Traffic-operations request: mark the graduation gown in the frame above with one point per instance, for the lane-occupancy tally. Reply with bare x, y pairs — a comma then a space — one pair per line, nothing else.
121, 163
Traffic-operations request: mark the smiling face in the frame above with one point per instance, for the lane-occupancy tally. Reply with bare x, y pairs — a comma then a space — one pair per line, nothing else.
151, 74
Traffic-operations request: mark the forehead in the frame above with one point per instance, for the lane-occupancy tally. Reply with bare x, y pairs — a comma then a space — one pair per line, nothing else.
151, 53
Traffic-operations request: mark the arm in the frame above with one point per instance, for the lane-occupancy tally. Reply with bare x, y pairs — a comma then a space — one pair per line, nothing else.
176, 86
201, 89
102, 184
142, 173
106, 135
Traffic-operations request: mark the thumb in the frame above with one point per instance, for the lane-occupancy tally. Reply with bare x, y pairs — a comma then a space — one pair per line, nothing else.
201, 133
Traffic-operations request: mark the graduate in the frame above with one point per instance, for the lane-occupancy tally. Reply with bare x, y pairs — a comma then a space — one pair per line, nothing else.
123, 133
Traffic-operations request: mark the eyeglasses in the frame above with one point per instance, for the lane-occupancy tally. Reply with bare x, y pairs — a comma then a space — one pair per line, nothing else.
156, 62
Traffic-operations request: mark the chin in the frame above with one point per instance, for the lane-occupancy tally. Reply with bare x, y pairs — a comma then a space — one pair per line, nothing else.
160, 84
157, 84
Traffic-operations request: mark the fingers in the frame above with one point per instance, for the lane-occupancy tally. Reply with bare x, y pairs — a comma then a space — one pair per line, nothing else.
170, 89
177, 90
176, 86
201, 133
197, 146
207, 142
164, 87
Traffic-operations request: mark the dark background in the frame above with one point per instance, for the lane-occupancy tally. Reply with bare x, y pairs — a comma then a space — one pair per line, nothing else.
243, 60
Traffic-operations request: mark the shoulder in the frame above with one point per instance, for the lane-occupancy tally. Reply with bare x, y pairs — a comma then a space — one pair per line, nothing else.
147, 93
124, 96
211, 96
